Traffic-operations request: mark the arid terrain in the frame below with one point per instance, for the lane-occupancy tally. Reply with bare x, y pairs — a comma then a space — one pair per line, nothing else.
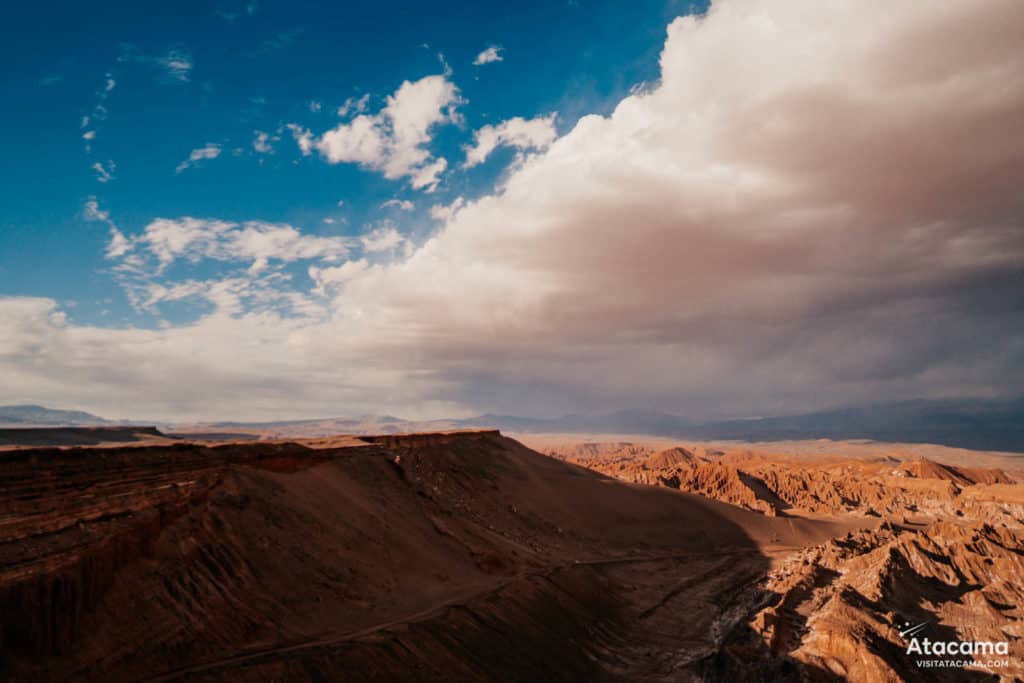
469, 556
948, 549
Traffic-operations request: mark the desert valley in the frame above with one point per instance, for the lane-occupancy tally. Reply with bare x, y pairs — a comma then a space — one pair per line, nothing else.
470, 556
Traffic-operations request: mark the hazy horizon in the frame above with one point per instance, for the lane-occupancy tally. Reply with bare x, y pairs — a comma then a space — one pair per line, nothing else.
967, 403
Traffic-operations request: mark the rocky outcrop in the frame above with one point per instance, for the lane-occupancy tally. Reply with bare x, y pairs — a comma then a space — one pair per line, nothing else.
902, 491
726, 483
842, 607
948, 554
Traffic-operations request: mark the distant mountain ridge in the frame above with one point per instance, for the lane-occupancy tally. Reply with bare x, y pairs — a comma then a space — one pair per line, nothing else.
40, 415
992, 425
996, 425
625, 422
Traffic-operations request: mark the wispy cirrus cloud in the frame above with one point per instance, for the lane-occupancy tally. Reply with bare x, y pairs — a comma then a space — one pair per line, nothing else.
118, 245
178, 64
354, 105
175, 65
278, 41
104, 172
96, 116
232, 15
204, 153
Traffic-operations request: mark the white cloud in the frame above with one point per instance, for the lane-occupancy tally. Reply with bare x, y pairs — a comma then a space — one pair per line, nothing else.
261, 143
401, 204
253, 252
428, 176
303, 137
446, 68
95, 118
717, 238
253, 241
523, 134
445, 212
187, 371
491, 54
383, 238
315, 106
360, 142
327, 280
394, 141
92, 211
210, 151
104, 173
118, 245
354, 105
795, 216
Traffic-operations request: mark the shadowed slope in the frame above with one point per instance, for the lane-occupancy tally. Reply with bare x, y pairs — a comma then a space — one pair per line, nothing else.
79, 436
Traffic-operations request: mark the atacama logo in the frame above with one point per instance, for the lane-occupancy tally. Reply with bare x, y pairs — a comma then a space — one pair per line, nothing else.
955, 653
908, 632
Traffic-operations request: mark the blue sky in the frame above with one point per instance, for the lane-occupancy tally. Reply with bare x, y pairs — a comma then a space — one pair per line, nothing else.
197, 73
284, 210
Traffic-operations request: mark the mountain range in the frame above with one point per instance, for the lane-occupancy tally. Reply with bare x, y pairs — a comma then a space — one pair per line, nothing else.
976, 424
33, 415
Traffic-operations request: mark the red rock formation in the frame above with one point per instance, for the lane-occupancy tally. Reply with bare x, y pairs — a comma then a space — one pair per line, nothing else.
840, 606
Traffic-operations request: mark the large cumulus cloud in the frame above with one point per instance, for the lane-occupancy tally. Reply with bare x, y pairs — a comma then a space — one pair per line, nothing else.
819, 203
